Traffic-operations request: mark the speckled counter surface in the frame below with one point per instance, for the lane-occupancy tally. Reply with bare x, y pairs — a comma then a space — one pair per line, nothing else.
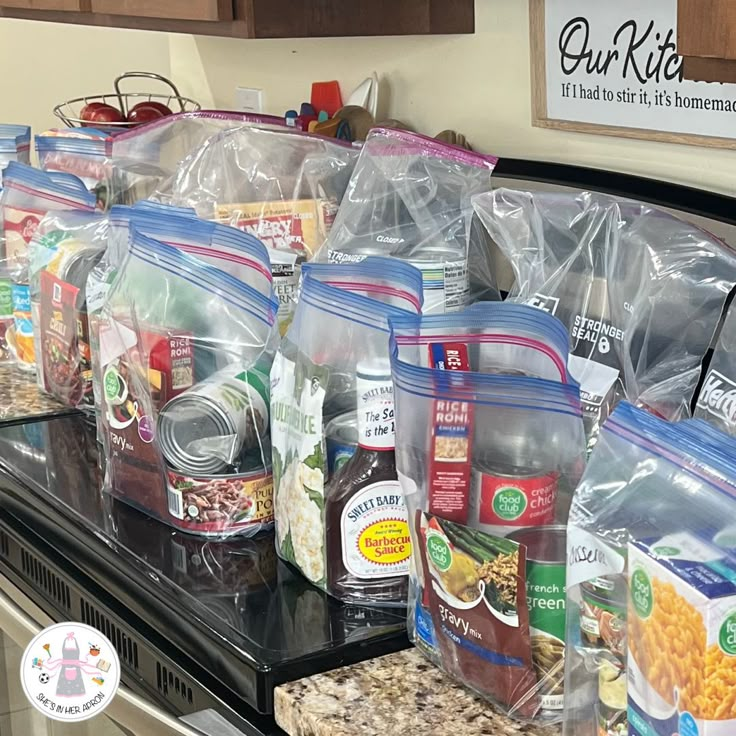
398, 694
20, 396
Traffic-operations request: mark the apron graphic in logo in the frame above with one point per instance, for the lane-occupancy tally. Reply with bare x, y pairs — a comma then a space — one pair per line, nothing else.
70, 672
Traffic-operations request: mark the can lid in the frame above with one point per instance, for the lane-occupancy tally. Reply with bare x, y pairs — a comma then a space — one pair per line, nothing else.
374, 369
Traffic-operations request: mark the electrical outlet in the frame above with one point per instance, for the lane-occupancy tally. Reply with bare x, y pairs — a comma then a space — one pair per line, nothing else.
249, 99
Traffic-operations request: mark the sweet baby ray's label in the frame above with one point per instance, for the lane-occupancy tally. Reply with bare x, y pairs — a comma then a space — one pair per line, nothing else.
375, 532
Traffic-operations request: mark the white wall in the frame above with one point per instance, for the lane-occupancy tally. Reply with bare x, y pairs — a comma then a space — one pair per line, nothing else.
478, 85
44, 64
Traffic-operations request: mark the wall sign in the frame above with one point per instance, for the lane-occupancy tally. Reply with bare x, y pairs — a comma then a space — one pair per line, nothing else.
612, 68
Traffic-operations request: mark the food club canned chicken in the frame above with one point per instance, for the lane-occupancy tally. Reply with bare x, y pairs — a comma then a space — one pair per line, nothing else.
505, 499
546, 556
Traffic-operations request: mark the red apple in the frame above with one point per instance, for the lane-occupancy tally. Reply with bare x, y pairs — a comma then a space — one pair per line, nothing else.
141, 114
88, 110
106, 114
163, 109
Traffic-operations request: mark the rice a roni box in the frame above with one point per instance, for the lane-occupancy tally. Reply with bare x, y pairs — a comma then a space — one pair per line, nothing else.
681, 638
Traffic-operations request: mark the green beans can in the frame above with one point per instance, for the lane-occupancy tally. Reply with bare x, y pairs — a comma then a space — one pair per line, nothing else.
546, 601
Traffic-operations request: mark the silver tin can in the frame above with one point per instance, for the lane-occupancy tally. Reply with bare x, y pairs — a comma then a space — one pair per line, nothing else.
204, 430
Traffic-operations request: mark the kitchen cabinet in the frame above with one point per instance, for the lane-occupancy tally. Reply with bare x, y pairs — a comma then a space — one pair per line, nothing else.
60, 5
204, 10
258, 18
706, 38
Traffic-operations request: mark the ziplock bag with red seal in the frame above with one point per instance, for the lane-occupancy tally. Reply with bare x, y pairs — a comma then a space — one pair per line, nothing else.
281, 185
65, 247
83, 152
145, 156
717, 394
15, 144
345, 530
641, 292
27, 196
185, 351
650, 576
490, 444
409, 197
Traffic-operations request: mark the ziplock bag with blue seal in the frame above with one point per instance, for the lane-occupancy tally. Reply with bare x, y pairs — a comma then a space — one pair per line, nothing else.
64, 249
185, 351
28, 195
144, 157
640, 291
345, 530
84, 152
15, 144
717, 395
490, 445
409, 197
652, 581
230, 250
281, 185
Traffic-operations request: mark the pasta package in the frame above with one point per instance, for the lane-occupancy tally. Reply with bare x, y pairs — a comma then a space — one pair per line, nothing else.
682, 636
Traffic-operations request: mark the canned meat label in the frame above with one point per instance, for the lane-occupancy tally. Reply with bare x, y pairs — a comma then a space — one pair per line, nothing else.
217, 503
515, 502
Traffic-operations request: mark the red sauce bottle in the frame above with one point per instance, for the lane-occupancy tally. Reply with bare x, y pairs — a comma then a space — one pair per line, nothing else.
368, 540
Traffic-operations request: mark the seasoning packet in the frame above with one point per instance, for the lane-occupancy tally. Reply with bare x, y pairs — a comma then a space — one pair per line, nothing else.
64, 249
650, 580
347, 534
490, 443
185, 349
27, 195
409, 197
640, 291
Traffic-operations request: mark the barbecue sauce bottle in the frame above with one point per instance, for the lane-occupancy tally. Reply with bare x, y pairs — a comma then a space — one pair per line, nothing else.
368, 539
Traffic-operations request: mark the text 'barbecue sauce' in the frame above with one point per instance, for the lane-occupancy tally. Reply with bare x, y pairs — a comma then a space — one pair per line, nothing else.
368, 539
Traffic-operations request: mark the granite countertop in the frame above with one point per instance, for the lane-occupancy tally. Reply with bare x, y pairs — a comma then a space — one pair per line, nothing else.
401, 693
21, 397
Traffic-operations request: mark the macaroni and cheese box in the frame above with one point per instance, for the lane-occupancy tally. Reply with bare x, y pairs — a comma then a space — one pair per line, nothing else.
681, 638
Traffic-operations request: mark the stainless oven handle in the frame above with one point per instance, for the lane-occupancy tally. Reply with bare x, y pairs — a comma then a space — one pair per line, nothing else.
21, 620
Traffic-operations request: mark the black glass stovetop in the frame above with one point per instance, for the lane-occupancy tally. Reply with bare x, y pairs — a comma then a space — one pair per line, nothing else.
233, 608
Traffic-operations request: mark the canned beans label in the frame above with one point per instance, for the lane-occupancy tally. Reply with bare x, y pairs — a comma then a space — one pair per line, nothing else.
517, 502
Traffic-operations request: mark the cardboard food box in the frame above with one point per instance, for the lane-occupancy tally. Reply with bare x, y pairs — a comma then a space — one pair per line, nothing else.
681, 638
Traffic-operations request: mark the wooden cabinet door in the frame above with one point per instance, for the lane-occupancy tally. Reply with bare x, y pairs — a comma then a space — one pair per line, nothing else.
206, 10
71, 5
706, 28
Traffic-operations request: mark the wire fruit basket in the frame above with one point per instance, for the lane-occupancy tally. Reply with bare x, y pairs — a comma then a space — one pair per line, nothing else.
70, 111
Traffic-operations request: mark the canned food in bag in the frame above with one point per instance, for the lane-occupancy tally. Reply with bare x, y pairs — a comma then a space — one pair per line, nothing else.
341, 436
203, 430
216, 503
505, 499
545, 595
